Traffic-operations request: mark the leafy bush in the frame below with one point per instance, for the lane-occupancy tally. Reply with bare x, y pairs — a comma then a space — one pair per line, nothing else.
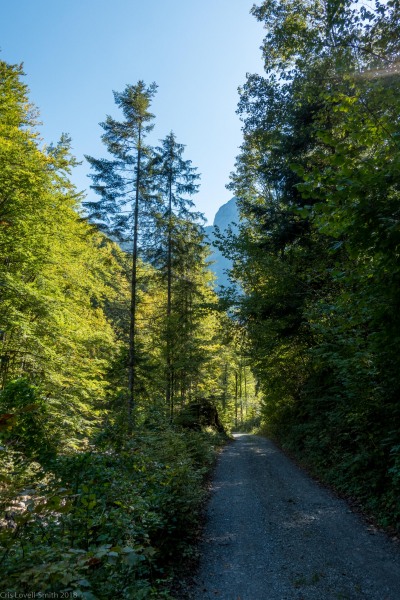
107, 524
24, 420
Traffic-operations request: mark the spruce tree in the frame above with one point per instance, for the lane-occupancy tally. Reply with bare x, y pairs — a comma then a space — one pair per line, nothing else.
123, 185
174, 180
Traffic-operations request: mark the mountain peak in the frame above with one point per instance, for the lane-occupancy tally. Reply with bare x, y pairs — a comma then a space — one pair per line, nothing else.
226, 215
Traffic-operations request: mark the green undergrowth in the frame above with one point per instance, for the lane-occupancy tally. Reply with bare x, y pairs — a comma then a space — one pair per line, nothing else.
105, 522
249, 425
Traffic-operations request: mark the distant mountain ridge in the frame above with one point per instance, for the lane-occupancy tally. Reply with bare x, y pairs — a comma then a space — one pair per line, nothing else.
227, 215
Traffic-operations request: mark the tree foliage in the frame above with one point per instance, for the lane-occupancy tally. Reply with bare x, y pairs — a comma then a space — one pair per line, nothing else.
55, 270
178, 240
123, 185
90, 505
317, 254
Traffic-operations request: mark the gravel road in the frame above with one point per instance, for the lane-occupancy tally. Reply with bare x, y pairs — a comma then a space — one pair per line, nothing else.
272, 533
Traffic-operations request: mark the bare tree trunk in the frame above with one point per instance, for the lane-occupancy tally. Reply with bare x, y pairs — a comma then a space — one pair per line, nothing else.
225, 387
241, 392
236, 399
245, 391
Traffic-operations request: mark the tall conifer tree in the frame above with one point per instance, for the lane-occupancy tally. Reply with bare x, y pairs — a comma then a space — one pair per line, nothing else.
175, 181
123, 185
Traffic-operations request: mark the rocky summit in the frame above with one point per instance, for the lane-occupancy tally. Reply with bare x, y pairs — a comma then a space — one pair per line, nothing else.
227, 216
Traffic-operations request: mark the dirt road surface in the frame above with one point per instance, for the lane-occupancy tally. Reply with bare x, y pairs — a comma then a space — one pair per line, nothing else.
273, 533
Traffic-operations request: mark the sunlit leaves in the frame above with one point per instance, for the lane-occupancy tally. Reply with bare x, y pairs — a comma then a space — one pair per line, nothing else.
55, 270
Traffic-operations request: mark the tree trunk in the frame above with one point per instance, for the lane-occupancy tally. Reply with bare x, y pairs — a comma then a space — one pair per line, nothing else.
169, 390
236, 399
132, 329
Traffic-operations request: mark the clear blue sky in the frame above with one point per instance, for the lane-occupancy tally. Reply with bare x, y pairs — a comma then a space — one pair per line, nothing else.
75, 52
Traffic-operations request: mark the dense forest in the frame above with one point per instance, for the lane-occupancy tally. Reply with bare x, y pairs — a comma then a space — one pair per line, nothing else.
317, 257
115, 355
121, 368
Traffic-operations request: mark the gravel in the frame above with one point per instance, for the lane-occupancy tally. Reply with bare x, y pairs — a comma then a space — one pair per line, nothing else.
273, 533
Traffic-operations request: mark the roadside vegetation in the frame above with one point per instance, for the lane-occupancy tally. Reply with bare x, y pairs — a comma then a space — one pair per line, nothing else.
317, 255
119, 370
112, 519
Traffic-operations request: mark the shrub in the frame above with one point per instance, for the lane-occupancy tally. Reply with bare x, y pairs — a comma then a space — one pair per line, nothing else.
107, 523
